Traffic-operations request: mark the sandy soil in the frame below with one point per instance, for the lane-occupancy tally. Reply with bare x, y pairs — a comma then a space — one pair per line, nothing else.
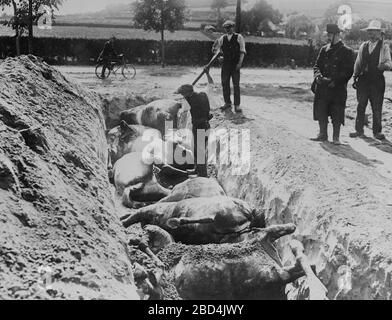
339, 196
60, 236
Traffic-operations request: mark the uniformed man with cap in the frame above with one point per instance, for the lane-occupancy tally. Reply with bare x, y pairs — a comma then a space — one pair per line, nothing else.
233, 48
200, 112
332, 71
373, 59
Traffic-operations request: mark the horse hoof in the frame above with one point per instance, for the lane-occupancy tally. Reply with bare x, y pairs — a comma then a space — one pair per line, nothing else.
173, 223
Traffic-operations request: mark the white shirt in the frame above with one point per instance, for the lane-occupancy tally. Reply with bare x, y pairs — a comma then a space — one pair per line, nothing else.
241, 42
385, 56
372, 46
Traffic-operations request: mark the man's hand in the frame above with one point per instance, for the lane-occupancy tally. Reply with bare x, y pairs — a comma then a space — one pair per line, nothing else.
383, 67
239, 66
355, 84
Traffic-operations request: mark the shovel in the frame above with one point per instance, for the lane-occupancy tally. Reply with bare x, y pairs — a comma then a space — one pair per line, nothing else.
206, 69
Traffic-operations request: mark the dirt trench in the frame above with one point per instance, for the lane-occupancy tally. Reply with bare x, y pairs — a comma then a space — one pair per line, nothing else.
339, 207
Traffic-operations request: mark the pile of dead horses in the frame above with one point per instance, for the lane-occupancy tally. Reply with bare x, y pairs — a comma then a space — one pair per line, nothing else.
211, 246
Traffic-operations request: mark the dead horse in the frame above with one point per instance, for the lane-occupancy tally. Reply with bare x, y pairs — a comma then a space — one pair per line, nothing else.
199, 221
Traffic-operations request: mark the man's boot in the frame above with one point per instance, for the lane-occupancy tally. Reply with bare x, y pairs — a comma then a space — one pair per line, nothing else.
237, 109
336, 134
357, 134
323, 135
226, 106
379, 136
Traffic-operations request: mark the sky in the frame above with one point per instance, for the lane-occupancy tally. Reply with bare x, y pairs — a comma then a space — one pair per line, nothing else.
82, 6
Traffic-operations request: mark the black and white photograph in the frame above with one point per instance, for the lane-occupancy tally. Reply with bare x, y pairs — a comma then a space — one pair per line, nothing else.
165, 151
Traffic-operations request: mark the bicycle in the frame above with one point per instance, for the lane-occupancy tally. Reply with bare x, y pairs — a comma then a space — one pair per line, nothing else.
127, 70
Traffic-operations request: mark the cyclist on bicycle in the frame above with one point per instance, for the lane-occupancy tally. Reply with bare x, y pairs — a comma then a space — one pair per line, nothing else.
108, 55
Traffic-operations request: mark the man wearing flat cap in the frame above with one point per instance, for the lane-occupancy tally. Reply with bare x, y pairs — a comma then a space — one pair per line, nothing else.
373, 59
200, 112
332, 71
233, 48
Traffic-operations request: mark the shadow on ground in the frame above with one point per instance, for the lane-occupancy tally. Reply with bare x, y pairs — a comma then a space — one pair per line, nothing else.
347, 152
385, 145
278, 92
236, 119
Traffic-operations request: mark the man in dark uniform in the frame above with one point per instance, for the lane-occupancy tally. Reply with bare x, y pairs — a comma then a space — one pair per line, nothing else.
333, 69
373, 59
233, 49
200, 111
108, 55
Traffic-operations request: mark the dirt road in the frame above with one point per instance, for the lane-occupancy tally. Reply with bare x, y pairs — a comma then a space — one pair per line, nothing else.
339, 196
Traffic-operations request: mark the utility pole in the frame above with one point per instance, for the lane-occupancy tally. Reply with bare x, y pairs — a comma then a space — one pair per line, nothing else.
30, 26
238, 17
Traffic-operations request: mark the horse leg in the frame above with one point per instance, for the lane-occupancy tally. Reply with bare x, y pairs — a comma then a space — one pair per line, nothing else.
144, 216
175, 223
276, 232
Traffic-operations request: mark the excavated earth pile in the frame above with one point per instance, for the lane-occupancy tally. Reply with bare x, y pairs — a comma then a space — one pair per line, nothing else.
60, 235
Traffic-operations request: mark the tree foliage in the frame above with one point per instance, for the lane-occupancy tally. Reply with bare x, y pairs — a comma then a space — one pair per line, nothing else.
297, 24
20, 19
261, 12
160, 15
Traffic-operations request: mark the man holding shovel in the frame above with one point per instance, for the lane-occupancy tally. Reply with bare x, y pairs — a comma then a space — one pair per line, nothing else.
373, 59
234, 51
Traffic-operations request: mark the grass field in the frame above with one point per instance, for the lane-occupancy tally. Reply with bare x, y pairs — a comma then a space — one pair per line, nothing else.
128, 33
105, 33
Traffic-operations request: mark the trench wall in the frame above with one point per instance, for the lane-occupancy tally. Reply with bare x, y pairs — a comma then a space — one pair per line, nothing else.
60, 235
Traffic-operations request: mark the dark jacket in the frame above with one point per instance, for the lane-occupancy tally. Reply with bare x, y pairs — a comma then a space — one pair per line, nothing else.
371, 62
108, 51
336, 63
231, 50
200, 109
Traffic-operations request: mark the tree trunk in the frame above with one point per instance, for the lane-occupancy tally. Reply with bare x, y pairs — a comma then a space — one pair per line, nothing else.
17, 33
163, 47
17, 41
219, 14
238, 17
30, 26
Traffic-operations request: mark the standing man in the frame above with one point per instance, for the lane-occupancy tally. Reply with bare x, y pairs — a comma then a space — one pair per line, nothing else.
332, 71
373, 59
200, 111
233, 49
108, 55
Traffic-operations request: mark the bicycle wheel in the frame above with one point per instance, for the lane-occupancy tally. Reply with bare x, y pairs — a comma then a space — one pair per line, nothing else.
129, 71
98, 72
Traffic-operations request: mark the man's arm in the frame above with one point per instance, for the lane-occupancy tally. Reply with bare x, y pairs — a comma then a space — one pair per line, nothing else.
318, 75
386, 61
218, 45
358, 63
241, 41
